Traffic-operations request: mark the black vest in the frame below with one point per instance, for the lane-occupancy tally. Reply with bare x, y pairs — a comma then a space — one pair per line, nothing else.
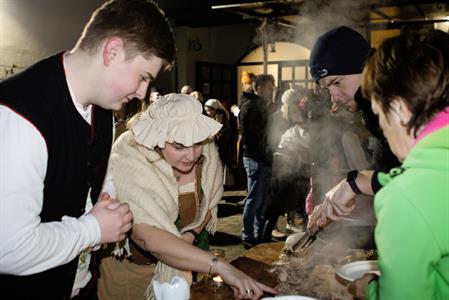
78, 154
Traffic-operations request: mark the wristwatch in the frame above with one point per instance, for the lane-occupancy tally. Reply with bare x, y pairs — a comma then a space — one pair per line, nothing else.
350, 178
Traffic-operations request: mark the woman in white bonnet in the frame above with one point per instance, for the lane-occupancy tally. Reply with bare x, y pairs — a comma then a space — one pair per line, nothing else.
222, 139
168, 171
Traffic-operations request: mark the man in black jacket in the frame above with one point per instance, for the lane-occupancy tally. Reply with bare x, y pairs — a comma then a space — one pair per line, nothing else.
256, 154
336, 64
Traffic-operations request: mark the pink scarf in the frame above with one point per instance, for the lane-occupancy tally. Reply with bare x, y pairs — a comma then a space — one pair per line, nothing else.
439, 121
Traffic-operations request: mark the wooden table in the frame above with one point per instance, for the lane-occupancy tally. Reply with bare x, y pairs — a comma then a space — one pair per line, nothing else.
255, 262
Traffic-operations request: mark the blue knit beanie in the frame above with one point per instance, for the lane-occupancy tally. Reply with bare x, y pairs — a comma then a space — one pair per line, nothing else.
340, 51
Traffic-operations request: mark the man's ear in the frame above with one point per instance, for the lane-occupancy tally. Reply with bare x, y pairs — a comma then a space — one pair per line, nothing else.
112, 50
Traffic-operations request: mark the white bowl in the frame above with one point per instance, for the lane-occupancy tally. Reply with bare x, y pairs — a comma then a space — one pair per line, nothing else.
357, 269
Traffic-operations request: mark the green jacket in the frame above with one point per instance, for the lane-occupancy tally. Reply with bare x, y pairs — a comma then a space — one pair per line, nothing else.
412, 232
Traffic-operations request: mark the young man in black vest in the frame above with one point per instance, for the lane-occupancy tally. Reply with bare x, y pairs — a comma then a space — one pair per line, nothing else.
56, 131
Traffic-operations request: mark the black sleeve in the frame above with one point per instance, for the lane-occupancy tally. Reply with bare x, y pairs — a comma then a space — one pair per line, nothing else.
252, 127
375, 184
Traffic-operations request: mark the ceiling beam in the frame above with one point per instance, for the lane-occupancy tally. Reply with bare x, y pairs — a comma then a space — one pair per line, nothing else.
397, 23
381, 14
257, 4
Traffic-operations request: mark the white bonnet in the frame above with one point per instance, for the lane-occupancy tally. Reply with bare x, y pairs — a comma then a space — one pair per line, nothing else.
174, 118
291, 96
187, 89
213, 103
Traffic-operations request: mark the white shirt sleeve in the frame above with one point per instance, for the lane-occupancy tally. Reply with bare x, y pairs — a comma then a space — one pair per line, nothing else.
27, 245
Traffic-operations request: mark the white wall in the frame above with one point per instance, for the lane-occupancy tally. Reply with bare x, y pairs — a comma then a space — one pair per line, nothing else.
33, 29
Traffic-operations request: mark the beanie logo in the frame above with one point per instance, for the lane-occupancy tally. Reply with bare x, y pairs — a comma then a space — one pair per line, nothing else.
319, 72
323, 72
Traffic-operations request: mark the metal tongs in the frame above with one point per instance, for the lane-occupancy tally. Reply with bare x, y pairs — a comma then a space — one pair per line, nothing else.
306, 240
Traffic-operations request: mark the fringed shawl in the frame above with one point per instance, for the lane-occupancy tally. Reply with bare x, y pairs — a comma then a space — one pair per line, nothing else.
145, 181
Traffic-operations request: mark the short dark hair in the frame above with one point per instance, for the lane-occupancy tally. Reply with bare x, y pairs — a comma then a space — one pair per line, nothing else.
414, 67
140, 23
261, 79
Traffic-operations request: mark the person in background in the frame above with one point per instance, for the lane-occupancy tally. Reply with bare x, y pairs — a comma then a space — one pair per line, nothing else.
291, 165
247, 88
336, 63
130, 108
413, 205
216, 111
186, 89
199, 96
154, 95
125, 113
257, 157
295, 109
169, 172
247, 82
56, 131
278, 121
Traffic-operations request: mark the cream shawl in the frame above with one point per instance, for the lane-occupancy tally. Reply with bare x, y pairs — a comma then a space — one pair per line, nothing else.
145, 181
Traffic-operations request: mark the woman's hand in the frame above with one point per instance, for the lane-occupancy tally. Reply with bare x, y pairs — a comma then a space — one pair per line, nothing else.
243, 286
169, 249
359, 286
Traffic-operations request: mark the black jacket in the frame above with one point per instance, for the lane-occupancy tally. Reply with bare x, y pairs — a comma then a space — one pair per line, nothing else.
253, 127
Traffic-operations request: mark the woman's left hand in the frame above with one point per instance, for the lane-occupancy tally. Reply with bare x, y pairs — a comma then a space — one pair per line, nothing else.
359, 286
244, 287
